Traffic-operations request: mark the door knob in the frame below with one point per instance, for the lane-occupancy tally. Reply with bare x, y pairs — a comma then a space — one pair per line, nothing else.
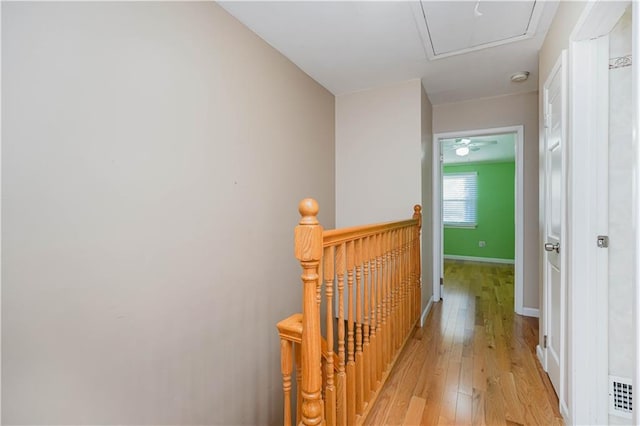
552, 247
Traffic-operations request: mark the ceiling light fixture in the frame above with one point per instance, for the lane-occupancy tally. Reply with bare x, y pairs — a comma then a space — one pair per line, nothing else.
520, 76
462, 151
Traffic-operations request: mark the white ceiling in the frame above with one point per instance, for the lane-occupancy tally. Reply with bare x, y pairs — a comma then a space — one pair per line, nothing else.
503, 150
351, 46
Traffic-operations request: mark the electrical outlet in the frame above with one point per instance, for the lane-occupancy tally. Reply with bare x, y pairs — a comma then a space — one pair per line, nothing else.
482, 243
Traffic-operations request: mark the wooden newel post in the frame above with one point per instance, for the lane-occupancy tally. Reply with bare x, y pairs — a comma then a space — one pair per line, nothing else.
308, 250
417, 214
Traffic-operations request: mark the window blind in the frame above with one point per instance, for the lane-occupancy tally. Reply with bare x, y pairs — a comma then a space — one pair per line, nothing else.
460, 198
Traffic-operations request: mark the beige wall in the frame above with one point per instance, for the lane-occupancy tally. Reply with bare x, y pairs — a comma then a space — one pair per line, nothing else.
378, 136
427, 197
512, 110
153, 158
557, 37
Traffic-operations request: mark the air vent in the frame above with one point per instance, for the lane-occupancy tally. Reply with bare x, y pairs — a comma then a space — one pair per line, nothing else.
620, 397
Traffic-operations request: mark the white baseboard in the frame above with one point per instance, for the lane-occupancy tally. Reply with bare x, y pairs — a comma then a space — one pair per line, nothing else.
427, 308
479, 259
531, 312
564, 411
540, 354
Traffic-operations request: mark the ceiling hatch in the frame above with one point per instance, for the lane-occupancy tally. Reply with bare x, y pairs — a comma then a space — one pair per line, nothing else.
457, 27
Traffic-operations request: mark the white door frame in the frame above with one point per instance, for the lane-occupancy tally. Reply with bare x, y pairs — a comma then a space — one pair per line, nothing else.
587, 265
519, 209
636, 196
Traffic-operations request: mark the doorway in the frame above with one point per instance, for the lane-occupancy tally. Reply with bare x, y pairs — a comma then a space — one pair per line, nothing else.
467, 143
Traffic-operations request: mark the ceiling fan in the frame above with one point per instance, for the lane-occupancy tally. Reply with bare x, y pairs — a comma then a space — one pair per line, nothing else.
462, 146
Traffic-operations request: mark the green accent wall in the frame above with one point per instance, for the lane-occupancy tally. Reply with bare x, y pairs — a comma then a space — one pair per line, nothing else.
496, 214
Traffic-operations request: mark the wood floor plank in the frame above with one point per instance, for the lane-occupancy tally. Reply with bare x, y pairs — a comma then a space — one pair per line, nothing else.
477, 415
466, 376
494, 403
514, 411
414, 412
450, 397
464, 409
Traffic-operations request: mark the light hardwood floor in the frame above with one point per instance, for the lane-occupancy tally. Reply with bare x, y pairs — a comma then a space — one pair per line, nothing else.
473, 362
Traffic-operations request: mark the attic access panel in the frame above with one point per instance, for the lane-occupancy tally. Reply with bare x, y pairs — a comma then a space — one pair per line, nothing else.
456, 27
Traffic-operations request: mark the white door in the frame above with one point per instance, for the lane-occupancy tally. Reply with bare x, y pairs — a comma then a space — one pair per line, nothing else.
554, 194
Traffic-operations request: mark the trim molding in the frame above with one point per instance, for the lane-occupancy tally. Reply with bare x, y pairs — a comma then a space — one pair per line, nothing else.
531, 312
479, 259
426, 311
564, 411
540, 354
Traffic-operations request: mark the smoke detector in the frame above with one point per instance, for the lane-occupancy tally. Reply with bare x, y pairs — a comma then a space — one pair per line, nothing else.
520, 76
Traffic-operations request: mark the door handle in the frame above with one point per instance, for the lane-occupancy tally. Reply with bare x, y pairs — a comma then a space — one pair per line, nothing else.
552, 247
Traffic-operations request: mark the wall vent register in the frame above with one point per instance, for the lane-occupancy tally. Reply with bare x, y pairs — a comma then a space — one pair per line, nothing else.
620, 397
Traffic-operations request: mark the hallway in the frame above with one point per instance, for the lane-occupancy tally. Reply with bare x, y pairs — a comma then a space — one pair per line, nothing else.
473, 362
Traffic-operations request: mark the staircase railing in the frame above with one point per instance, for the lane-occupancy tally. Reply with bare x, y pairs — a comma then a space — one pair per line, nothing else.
380, 265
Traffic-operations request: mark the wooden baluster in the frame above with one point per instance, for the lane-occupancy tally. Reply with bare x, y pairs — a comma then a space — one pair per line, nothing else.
382, 270
399, 273
413, 276
341, 389
396, 291
308, 250
399, 285
417, 267
401, 315
374, 314
410, 277
415, 289
403, 285
392, 296
405, 281
387, 277
412, 293
286, 367
410, 280
330, 390
351, 364
366, 345
298, 353
359, 360
381, 307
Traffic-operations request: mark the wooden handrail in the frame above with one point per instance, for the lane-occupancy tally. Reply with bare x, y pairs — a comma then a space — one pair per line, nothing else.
375, 272
333, 237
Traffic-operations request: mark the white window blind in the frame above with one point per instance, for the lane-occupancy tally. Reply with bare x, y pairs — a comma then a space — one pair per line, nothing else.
460, 199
